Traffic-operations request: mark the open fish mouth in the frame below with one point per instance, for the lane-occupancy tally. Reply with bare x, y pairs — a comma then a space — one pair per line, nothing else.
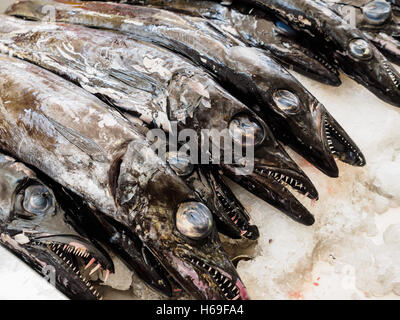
392, 73
229, 288
75, 256
277, 186
238, 217
340, 144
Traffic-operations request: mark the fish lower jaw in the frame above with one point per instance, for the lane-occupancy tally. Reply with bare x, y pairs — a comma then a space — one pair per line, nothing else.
228, 289
63, 250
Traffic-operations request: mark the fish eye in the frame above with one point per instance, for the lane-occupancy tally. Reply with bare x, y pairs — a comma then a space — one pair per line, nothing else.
285, 29
377, 12
360, 49
286, 101
194, 220
244, 127
180, 163
37, 200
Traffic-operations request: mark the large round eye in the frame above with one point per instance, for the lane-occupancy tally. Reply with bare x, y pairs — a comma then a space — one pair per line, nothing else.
286, 101
180, 163
285, 29
38, 199
246, 130
194, 220
360, 49
377, 12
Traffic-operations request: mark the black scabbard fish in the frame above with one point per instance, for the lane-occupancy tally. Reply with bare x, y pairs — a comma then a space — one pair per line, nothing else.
90, 149
34, 226
294, 115
351, 51
255, 28
159, 87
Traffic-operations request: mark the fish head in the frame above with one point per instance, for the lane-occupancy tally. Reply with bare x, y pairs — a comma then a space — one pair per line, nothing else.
298, 119
256, 160
231, 217
187, 245
356, 55
363, 62
173, 225
34, 227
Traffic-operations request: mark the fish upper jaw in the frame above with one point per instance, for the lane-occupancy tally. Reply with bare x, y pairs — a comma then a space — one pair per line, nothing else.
76, 245
304, 61
65, 255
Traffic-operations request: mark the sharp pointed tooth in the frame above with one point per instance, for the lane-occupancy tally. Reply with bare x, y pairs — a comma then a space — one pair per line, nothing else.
95, 269
90, 263
107, 275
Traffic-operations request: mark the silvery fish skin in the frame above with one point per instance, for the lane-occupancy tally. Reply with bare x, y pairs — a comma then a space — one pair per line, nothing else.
295, 116
256, 29
33, 226
92, 150
143, 80
378, 20
353, 53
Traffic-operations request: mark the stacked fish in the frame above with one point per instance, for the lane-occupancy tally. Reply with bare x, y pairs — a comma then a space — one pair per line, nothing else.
83, 83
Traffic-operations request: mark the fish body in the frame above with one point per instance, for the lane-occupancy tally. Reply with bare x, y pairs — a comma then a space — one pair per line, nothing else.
351, 51
294, 115
256, 29
192, 97
92, 150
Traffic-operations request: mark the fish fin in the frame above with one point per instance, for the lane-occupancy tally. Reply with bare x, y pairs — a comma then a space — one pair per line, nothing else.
136, 80
87, 145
